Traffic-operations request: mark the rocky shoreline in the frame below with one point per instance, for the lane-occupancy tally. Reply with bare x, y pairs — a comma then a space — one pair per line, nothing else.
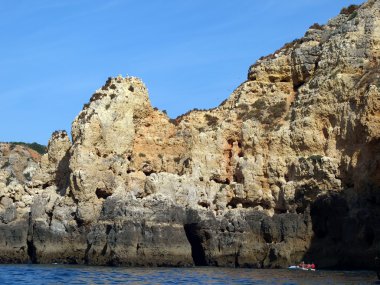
286, 169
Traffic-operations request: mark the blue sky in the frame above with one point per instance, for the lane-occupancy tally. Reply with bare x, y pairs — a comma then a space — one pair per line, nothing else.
189, 53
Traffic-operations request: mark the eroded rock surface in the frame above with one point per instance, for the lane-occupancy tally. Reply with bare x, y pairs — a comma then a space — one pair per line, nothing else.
287, 168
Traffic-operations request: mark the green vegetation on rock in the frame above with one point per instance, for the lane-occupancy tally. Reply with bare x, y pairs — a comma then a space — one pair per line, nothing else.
41, 149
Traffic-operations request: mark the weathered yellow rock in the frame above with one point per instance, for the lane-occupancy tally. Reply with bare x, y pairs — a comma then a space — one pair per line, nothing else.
286, 165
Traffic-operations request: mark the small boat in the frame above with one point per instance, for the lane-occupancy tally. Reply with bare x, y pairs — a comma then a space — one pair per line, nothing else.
296, 267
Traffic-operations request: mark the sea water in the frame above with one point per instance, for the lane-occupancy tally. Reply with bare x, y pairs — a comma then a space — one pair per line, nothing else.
65, 274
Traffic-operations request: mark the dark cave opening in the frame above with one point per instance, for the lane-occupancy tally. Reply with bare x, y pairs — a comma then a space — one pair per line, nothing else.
31, 251
195, 240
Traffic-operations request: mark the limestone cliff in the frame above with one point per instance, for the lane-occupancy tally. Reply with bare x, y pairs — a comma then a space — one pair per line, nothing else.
287, 168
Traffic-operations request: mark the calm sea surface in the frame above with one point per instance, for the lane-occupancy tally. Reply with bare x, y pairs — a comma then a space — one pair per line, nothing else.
62, 274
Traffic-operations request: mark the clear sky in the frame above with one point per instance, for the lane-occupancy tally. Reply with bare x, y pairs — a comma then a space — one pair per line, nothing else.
189, 53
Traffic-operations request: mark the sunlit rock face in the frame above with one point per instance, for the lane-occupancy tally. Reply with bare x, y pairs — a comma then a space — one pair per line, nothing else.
286, 169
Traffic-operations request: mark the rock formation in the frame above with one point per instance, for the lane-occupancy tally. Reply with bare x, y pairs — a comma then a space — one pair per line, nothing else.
286, 169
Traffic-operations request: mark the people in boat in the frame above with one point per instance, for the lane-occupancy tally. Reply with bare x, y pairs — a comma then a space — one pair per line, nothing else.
304, 265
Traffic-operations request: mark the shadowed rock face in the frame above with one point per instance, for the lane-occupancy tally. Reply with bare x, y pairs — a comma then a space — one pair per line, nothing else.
18, 165
286, 169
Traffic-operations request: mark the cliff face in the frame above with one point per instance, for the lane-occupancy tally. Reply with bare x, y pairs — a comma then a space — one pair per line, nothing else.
287, 168
18, 164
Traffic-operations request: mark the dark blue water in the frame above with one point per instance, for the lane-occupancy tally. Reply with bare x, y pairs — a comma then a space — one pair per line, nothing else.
61, 274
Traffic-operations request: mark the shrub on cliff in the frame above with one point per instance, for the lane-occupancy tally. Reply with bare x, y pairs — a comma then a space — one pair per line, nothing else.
212, 121
349, 10
41, 149
316, 26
